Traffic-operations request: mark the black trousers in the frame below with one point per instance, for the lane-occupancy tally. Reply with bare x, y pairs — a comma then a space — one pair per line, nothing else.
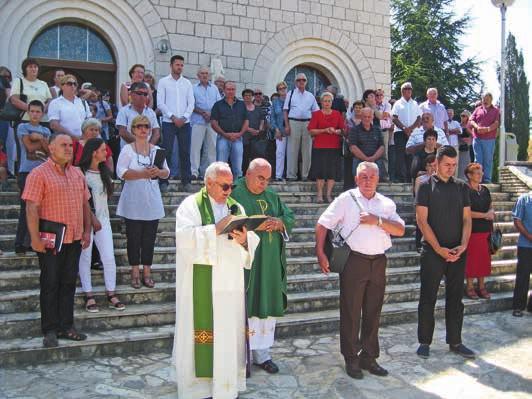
58, 286
22, 238
362, 286
433, 268
141, 236
522, 278
402, 159
349, 179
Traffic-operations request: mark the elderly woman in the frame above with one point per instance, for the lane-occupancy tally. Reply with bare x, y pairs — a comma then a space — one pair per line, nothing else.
277, 124
478, 263
99, 181
326, 127
140, 203
91, 129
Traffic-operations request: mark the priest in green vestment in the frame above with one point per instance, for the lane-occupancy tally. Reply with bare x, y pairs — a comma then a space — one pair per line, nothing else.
210, 334
266, 281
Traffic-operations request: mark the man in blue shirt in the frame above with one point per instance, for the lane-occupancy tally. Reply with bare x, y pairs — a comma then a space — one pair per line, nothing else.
203, 136
522, 215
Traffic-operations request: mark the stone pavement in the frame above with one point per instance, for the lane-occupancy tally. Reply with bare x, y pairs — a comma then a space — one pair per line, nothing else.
313, 368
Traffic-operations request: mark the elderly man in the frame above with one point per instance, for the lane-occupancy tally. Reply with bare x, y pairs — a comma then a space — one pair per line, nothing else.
366, 144
203, 141
266, 281
485, 121
219, 82
437, 109
369, 219
415, 142
298, 108
56, 191
209, 343
229, 118
406, 117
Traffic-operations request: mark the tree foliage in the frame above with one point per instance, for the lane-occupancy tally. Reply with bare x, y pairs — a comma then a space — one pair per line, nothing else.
516, 101
426, 51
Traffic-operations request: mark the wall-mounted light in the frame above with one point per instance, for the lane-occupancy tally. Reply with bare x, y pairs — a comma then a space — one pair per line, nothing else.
163, 46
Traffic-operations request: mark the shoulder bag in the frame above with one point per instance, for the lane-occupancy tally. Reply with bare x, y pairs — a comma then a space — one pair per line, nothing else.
494, 240
10, 112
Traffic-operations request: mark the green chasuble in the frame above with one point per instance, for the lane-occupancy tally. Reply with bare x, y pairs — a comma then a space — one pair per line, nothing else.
266, 281
202, 298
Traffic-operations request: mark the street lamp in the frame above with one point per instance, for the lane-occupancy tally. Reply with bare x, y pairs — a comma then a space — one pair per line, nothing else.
503, 5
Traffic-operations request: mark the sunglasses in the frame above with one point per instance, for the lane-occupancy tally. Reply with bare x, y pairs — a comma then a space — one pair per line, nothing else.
141, 126
225, 186
70, 83
301, 80
463, 116
141, 93
257, 94
281, 88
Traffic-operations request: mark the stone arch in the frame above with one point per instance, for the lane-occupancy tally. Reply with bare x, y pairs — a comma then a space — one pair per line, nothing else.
328, 50
129, 31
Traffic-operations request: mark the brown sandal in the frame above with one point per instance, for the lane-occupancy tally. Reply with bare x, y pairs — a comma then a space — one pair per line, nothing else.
471, 293
484, 294
135, 279
148, 282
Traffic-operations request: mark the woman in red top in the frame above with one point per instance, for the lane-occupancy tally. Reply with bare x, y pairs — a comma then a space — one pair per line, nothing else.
326, 128
90, 129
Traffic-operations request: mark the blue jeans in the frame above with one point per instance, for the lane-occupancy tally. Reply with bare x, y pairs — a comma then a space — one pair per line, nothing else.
484, 155
170, 132
230, 150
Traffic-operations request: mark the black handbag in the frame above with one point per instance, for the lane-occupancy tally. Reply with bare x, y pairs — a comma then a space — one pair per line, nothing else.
10, 112
495, 240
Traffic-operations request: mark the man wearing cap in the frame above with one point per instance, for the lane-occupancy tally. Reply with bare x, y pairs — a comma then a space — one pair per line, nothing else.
406, 117
298, 108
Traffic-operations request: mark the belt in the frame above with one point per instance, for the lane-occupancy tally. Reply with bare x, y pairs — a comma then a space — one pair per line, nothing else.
370, 257
298, 120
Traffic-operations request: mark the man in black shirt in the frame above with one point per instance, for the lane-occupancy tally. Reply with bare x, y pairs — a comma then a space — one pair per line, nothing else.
443, 214
229, 118
366, 144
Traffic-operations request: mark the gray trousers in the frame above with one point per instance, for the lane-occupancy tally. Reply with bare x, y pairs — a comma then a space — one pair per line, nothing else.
203, 136
299, 139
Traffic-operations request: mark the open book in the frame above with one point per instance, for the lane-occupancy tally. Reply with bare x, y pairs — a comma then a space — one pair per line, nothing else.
52, 233
237, 222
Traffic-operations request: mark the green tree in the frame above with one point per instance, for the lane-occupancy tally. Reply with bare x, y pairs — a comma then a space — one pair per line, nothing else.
516, 102
426, 51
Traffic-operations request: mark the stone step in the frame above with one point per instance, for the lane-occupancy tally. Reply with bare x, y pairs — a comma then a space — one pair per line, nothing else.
17, 352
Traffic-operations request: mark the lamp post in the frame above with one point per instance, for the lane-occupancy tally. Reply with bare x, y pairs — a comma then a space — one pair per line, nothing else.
503, 5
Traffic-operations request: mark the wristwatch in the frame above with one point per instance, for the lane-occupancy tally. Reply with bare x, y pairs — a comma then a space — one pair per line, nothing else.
379, 223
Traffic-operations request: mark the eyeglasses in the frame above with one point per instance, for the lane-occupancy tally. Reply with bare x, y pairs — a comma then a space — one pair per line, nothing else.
301, 80
263, 179
141, 126
379, 95
257, 94
71, 83
225, 186
141, 93
281, 88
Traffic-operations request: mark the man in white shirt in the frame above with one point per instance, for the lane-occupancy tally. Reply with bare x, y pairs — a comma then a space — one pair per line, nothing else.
67, 112
175, 99
436, 108
298, 108
203, 136
369, 219
137, 106
454, 129
406, 117
415, 141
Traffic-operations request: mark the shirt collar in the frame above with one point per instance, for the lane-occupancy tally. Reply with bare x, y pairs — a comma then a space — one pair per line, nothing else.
175, 80
57, 167
209, 84
438, 180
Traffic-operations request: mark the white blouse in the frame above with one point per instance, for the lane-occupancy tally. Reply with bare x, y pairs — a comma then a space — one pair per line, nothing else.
141, 198
98, 195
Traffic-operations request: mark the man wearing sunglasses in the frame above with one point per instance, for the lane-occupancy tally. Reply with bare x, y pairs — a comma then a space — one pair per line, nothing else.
210, 309
266, 281
298, 108
67, 112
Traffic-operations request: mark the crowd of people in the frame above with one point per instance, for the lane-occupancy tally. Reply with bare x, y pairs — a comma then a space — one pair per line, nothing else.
71, 142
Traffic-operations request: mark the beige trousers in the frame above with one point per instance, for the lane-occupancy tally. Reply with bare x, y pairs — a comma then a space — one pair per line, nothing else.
299, 139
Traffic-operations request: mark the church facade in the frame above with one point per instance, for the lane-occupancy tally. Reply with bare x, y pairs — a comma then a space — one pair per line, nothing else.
257, 42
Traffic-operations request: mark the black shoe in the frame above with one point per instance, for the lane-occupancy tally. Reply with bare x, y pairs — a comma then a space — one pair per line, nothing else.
269, 366
373, 367
423, 351
20, 249
353, 370
517, 313
50, 340
462, 350
97, 265
193, 177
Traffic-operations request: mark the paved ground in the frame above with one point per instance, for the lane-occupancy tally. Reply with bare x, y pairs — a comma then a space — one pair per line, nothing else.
312, 368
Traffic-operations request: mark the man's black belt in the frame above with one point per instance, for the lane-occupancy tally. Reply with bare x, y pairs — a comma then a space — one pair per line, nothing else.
299, 120
370, 257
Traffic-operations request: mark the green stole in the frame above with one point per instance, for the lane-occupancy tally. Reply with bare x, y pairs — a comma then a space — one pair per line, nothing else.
202, 297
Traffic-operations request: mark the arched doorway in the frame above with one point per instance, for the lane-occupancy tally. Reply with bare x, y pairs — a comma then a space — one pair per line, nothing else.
77, 50
316, 80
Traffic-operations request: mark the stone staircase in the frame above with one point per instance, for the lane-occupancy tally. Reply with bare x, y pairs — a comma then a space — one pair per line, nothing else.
148, 322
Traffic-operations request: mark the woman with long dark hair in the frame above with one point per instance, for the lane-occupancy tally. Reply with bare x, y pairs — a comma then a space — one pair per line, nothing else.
100, 183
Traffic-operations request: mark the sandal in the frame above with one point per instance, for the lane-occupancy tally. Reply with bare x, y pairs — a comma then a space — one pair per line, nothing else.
91, 307
135, 279
71, 335
117, 305
471, 293
484, 294
319, 200
148, 282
